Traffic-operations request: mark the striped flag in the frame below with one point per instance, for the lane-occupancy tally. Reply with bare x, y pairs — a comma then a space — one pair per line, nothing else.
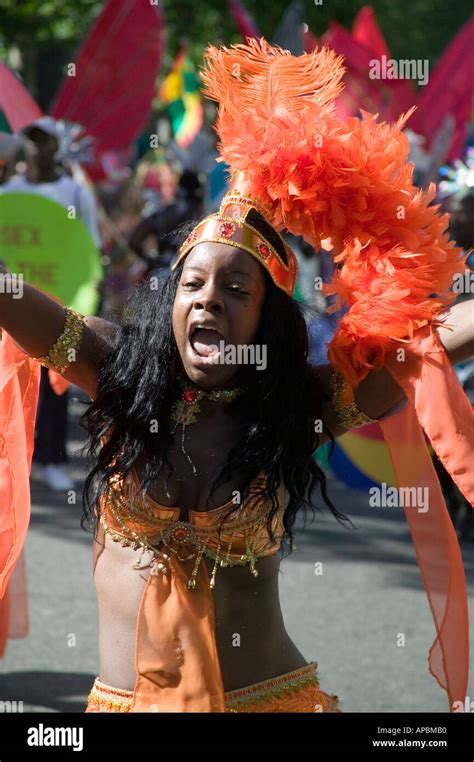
181, 94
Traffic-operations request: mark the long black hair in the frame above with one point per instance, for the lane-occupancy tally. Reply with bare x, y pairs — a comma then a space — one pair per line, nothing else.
130, 417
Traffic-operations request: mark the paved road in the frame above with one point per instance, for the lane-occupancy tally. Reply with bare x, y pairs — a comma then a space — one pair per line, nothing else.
347, 619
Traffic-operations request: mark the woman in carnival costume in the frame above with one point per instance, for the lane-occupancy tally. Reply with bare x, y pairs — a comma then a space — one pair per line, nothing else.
205, 412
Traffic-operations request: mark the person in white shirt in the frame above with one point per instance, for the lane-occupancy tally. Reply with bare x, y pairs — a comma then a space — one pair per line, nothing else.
42, 176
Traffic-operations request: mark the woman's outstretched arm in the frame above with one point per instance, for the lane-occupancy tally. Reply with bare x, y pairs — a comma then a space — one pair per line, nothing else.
379, 393
35, 322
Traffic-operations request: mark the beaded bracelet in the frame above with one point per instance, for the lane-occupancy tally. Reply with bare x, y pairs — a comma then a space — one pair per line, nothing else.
70, 338
350, 414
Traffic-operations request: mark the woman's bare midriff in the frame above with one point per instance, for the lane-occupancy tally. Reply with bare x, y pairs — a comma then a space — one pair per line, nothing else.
252, 642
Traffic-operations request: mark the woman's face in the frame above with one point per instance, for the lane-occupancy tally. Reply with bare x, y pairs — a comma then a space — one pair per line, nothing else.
222, 288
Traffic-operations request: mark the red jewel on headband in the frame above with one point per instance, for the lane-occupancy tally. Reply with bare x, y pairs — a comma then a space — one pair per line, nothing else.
263, 249
227, 229
189, 395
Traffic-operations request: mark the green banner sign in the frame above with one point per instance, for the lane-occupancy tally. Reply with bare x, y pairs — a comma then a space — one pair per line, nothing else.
54, 252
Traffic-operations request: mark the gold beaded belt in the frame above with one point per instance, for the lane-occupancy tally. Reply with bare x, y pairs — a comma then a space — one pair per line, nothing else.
104, 698
295, 691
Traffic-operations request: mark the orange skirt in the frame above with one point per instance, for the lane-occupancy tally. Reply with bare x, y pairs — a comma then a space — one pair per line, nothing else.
296, 691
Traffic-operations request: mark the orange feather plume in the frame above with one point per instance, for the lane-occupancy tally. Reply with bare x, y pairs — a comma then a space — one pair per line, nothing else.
348, 181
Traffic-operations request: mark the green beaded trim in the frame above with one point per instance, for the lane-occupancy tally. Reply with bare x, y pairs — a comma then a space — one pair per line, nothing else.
279, 690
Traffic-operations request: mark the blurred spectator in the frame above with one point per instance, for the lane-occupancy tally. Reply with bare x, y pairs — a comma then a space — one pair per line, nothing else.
187, 205
122, 267
9, 148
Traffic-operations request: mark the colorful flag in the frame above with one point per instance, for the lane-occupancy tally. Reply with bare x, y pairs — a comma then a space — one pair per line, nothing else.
181, 94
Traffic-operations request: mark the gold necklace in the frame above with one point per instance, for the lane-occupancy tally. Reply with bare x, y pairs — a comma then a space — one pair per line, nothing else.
186, 409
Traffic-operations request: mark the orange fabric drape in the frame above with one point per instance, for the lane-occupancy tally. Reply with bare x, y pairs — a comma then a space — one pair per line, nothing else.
439, 407
176, 655
14, 620
20, 377
19, 392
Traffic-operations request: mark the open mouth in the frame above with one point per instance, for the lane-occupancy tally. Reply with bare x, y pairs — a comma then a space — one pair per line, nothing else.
205, 342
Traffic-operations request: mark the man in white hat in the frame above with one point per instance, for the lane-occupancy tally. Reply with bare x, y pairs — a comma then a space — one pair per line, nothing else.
43, 176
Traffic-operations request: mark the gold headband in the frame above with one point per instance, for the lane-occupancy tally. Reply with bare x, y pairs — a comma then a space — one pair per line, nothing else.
229, 226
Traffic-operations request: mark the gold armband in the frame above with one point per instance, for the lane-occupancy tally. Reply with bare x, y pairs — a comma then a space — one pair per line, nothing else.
350, 414
70, 339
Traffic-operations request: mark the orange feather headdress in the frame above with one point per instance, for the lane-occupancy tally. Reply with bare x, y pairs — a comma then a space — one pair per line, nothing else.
349, 182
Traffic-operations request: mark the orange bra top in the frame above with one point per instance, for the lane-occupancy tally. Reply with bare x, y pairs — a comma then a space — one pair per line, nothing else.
243, 536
